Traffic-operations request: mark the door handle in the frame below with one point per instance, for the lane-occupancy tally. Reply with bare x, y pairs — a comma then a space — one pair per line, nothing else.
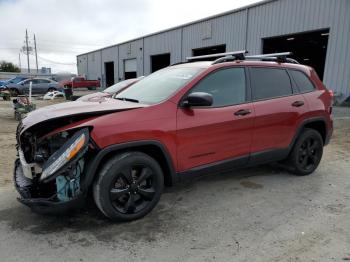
242, 112
298, 103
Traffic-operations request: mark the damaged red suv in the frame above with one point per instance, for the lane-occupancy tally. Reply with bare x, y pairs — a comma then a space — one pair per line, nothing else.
182, 121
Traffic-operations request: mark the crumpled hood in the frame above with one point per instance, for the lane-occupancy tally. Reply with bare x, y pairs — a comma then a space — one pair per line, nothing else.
94, 97
88, 108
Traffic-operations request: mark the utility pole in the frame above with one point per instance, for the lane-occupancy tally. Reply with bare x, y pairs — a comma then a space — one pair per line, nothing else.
36, 56
27, 50
19, 60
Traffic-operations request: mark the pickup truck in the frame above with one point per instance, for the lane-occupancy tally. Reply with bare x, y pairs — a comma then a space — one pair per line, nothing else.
80, 81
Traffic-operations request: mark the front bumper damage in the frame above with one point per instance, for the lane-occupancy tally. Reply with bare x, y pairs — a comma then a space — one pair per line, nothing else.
59, 192
24, 187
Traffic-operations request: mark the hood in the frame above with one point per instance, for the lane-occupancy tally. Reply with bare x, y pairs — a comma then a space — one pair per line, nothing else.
95, 97
77, 108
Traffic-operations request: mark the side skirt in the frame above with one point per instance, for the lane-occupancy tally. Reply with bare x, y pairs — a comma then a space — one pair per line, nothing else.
254, 159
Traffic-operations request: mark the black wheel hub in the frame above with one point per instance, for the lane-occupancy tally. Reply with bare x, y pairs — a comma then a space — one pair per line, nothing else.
309, 153
133, 189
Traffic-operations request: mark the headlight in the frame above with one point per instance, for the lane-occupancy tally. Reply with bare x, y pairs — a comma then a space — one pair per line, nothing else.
76, 144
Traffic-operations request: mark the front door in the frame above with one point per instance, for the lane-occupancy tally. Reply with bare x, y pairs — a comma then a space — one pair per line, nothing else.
220, 132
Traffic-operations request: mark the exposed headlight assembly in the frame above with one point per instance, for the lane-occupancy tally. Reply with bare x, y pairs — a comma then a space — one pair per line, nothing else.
75, 146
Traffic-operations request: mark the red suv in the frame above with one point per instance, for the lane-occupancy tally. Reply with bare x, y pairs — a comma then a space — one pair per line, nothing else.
181, 121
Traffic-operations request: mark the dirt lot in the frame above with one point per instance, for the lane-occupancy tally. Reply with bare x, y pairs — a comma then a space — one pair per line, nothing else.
257, 214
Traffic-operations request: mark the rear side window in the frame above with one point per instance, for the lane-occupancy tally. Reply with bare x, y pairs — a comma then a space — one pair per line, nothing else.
34, 81
269, 83
302, 81
227, 86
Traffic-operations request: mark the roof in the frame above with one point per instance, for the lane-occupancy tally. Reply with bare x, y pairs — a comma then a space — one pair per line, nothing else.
236, 10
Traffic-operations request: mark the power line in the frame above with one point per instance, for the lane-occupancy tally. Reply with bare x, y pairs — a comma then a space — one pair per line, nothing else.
55, 62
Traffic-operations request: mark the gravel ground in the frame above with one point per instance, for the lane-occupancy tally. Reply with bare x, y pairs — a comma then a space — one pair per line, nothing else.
256, 214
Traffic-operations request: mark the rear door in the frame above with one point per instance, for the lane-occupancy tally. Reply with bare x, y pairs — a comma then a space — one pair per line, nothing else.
44, 86
278, 110
208, 135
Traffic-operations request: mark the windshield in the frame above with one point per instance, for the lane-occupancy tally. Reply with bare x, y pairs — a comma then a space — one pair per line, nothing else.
119, 86
159, 85
16, 80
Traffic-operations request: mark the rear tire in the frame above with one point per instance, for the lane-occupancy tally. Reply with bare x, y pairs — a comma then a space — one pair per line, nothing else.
128, 186
306, 153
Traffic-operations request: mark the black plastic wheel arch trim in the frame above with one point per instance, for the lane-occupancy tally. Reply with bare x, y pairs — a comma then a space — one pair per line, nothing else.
309, 121
92, 167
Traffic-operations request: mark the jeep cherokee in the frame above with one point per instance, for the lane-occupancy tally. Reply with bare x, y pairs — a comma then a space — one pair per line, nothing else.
181, 121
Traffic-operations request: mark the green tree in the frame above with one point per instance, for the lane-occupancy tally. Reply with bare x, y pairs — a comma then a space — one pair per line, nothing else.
9, 67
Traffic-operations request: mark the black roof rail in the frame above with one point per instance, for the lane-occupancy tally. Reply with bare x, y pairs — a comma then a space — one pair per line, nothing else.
221, 55
240, 55
276, 57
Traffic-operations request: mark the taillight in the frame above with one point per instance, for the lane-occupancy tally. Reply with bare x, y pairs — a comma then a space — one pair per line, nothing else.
331, 93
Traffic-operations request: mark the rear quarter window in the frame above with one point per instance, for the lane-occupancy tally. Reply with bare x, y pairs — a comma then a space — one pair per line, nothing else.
269, 83
303, 83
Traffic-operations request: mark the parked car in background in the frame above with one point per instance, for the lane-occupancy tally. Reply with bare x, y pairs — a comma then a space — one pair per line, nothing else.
39, 86
80, 81
110, 91
14, 80
2, 82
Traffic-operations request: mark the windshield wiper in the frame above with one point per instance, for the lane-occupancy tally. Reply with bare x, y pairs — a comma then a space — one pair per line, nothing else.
128, 99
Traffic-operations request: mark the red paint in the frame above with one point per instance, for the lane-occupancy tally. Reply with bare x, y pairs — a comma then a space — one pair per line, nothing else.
196, 137
80, 82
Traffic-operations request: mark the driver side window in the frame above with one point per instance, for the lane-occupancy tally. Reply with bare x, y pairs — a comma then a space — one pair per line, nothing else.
227, 86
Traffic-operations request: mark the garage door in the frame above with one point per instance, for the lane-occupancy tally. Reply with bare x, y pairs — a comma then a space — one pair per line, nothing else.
130, 65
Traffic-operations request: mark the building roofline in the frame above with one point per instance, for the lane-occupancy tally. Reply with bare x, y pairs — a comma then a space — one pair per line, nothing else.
236, 10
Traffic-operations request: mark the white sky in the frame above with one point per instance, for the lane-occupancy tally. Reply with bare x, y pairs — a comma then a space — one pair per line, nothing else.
66, 28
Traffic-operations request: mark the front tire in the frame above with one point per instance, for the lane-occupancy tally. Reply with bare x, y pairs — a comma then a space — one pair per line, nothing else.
14, 92
306, 153
128, 186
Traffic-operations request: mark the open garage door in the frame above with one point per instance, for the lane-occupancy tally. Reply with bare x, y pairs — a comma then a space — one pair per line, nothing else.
159, 61
109, 73
308, 48
209, 51
130, 68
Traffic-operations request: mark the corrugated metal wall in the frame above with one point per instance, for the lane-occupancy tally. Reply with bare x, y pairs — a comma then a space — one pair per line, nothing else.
94, 65
131, 50
82, 64
243, 29
293, 16
228, 29
109, 55
167, 42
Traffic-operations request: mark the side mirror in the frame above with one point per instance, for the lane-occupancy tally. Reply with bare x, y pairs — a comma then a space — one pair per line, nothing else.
198, 99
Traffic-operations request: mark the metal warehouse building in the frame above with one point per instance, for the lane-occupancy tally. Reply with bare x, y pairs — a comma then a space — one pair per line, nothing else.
316, 31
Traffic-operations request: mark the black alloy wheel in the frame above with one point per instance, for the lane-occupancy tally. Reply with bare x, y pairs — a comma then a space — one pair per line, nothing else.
307, 152
128, 186
133, 188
